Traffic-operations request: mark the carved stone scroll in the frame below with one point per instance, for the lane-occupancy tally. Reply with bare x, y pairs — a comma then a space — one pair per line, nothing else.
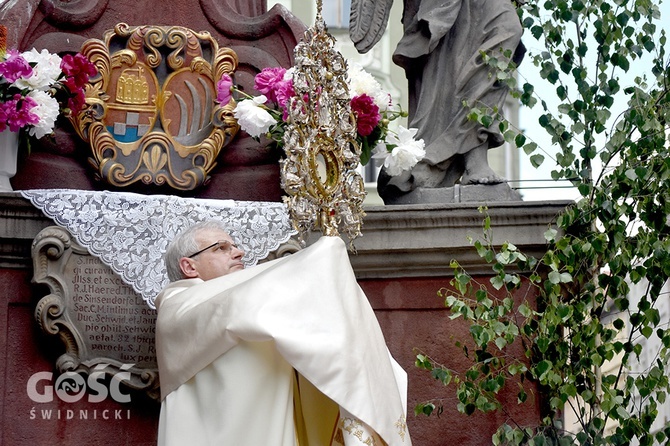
101, 321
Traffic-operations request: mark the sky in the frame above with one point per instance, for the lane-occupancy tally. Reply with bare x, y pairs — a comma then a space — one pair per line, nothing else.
536, 188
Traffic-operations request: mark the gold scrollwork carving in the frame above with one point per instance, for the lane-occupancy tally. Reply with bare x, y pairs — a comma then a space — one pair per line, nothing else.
150, 113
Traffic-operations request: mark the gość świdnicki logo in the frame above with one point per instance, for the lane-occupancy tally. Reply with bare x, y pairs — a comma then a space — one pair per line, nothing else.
71, 387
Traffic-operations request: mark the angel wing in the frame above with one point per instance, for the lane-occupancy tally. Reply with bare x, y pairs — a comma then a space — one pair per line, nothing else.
367, 22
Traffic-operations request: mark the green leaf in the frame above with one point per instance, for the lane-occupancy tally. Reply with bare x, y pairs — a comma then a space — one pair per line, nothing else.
550, 234
565, 277
442, 375
542, 369
622, 413
653, 316
525, 311
564, 312
530, 148
536, 160
519, 140
516, 368
423, 362
424, 408
660, 437
542, 344
497, 282
587, 395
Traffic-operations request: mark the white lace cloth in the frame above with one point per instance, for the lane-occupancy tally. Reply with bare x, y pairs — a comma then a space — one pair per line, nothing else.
130, 232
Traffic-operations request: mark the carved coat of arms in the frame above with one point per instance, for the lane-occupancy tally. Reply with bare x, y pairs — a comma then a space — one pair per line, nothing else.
151, 114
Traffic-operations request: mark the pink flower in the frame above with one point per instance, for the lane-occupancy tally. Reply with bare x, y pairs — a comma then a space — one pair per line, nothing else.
78, 70
224, 89
15, 67
76, 102
19, 113
3, 118
284, 93
267, 81
367, 113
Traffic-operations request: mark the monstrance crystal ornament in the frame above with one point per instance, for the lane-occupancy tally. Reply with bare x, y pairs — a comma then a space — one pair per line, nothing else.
319, 174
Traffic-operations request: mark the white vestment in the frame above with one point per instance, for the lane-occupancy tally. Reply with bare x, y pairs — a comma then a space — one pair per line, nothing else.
282, 353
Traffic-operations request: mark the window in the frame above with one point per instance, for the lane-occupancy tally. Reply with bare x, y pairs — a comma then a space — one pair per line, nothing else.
336, 13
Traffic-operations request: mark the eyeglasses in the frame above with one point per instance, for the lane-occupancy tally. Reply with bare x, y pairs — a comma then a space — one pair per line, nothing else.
222, 245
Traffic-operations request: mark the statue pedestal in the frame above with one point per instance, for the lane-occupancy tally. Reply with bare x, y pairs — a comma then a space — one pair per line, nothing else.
470, 193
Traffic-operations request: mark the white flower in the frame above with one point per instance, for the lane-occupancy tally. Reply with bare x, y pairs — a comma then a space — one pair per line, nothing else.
47, 109
254, 119
45, 72
380, 151
288, 75
405, 154
362, 82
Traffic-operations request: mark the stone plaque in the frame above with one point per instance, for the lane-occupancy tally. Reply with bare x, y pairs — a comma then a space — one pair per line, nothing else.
101, 320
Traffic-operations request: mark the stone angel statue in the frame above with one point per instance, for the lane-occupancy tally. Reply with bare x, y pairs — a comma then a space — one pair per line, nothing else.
441, 54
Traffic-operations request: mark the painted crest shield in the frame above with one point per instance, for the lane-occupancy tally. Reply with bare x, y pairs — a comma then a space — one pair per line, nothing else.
151, 114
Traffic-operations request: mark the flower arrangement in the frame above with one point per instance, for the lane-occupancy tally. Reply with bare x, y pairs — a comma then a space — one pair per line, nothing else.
36, 86
266, 115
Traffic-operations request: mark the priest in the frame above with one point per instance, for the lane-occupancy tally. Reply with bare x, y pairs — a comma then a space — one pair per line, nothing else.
285, 353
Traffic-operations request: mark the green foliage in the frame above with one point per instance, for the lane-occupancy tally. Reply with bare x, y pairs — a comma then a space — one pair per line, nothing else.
583, 337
